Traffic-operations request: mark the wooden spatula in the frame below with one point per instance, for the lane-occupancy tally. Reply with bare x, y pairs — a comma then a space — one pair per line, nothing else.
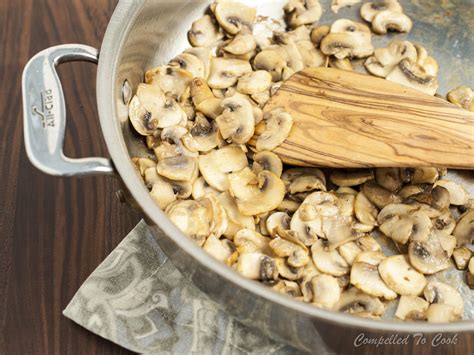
350, 120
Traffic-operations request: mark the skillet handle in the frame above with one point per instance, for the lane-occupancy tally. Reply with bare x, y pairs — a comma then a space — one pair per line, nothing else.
44, 113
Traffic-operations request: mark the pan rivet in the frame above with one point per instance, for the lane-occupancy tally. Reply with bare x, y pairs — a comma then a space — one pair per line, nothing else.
126, 92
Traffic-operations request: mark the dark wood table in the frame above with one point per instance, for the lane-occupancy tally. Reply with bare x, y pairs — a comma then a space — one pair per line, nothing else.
53, 231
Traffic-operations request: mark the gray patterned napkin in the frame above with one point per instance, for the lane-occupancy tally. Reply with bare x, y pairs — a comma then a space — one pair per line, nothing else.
139, 300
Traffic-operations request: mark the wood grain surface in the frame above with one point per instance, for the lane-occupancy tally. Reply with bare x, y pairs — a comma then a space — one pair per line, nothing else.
351, 120
53, 231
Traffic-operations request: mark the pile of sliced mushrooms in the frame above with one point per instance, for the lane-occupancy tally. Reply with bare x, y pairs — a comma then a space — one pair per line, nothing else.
305, 232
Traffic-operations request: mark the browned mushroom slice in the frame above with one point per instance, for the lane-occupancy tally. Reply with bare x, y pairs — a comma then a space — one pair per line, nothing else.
379, 196
287, 271
318, 33
463, 97
304, 179
365, 211
172, 80
384, 60
225, 72
464, 231
457, 194
221, 249
254, 82
350, 177
297, 255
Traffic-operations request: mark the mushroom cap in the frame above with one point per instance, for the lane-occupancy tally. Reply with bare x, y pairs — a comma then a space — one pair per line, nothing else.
365, 275
389, 20
389, 178
236, 123
370, 9
254, 82
215, 165
326, 291
329, 262
235, 219
224, 72
398, 274
267, 161
256, 193
204, 32
355, 301
464, 230
428, 257
411, 308
277, 125
441, 293
234, 16
318, 33
343, 45
412, 74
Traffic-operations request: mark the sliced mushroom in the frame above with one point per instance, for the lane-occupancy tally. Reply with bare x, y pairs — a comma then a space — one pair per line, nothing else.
441, 313
470, 274
200, 91
349, 251
261, 98
277, 219
160, 190
256, 193
464, 231
336, 5
234, 16
425, 175
326, 291
412, 74
379, 196
221, 249
225, 72
302, 12
287, 271
310, 56
463, 97
250, 241
235, 219
272, 61
411, 308
389, 178
350, 177
254, 82
189, 62
438, 292
205, 134
267, 161
273, 130
398, 274
204, 32
461, 257
143, 164
365, 275
288, 288
257, 266
448, 243
318, 33
297, 255
410, 190
329, 262
387, 20
428, 257
215, 165
201, 188
236, 123
365, 211
181, 168
304, 179
370, 9
241, 44
355, 301
172, 80
343, 64
457, 194
444, 223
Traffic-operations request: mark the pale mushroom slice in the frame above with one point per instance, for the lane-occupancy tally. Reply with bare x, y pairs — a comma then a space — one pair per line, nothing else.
347, 39
352, 177
192, 218
336, 5
215, 165
428, 257
343, 64
349, 251
463, 97
205, 134
287, 271
204, 54
411, 308
326, 291
329, 262
310, 56
143, 164
250, 241
379, 196
318, 33
200, 91
441, 313
445, 223
304, 180
236, 123
398, 274
225, 72
234, 16
201, 188
272, 61
364, 210
384, 60
404, 222
254, 82
387, 20
189, 62
160, 190
289, 288
464, 231
457, 194
256, 193
235, 219
412, 74
221, 249
355, 301
172, 80
425, 175
275, 220
461, 257
204, 32
286, 244
243, 43
302, 12
365, 275
441, 293
267, 161
257, 266
181, 168
370, 9
273, 130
